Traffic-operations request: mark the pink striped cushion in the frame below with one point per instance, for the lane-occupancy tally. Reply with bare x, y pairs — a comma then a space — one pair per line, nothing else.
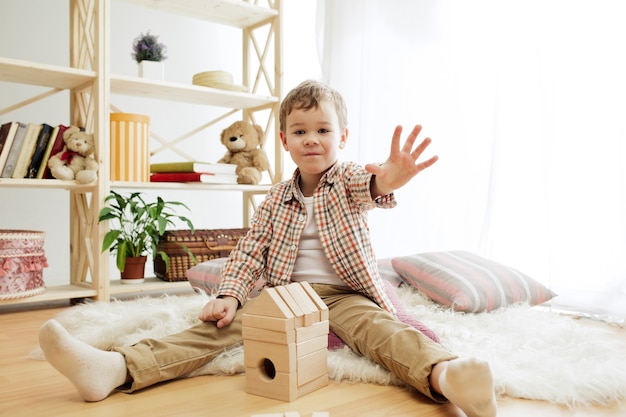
207, 277
467, 282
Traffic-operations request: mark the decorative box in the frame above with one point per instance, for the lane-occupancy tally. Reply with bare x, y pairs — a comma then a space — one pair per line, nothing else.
204, 244
22, 260
130, 140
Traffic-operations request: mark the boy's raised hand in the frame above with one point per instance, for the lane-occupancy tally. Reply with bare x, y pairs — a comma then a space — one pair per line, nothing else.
402, 165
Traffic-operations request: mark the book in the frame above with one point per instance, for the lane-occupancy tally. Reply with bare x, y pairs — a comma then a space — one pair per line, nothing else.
40, 149
7, 134
46, 153
26, 153
14, 152
205, 177
194, 166
4, 131
55, 145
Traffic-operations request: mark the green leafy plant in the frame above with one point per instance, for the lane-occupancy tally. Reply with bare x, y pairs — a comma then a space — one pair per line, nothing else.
146, 47
137, 225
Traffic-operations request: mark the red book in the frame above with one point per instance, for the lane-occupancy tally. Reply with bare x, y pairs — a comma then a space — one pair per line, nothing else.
194, 177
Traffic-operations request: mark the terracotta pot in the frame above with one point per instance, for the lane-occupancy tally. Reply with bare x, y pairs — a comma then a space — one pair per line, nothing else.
134, 270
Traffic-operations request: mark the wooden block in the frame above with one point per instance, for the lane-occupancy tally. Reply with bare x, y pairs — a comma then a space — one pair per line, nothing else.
311, 345
317, 329
282, 357
292, 414
292, 304
309, 387
283, 386
270, 304
271, 336
320, 414
312, 366
321, 306
269, 323
309, 308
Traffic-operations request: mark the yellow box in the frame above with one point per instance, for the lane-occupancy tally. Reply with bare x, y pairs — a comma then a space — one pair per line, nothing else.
130, 157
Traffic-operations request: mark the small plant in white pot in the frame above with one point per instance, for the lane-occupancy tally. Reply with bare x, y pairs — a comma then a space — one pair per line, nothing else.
149, 54
135, 227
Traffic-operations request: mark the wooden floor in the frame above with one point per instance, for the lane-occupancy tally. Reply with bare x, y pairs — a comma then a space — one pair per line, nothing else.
33, 388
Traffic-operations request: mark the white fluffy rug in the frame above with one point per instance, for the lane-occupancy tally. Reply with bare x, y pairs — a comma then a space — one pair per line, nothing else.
533, 354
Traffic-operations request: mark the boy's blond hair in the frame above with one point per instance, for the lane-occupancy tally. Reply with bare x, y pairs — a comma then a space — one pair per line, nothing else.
307, 96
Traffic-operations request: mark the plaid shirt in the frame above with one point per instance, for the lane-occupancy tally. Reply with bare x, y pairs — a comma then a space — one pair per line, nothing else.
341, 202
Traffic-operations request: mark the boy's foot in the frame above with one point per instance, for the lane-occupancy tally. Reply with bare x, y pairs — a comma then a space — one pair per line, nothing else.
468, 384
94, 372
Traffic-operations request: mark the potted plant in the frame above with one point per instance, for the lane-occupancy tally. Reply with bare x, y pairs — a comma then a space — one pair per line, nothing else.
149, 52
135, 228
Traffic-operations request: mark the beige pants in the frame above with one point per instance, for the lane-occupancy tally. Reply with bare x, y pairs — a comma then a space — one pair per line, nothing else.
358, 321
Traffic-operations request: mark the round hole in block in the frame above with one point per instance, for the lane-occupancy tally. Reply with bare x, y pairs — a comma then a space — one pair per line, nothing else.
268, 369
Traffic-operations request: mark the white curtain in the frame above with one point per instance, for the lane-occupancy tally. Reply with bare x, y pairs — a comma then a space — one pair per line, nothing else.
525, 102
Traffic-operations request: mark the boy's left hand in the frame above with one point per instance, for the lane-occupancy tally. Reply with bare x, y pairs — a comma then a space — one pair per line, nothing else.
401, 166
220, 310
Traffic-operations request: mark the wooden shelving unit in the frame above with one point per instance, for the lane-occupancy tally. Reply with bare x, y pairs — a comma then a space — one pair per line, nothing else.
91, 84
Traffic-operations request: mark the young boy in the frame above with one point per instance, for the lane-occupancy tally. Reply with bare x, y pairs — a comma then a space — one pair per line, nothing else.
312, 227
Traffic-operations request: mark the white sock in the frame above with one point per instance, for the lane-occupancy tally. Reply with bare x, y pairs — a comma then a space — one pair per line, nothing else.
468, 384
94, 372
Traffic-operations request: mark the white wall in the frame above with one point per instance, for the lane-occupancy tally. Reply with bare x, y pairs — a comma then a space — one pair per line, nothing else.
193, 46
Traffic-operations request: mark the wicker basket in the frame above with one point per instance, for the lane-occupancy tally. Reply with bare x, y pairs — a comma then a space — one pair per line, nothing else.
205, 245
22, 261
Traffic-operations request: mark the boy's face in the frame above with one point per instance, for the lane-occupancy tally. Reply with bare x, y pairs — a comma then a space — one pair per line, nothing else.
313, 138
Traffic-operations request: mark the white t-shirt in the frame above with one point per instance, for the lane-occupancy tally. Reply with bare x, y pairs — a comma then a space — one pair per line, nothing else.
311, 263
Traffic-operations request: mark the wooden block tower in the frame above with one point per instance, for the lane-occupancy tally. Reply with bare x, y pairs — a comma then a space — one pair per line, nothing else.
285, 340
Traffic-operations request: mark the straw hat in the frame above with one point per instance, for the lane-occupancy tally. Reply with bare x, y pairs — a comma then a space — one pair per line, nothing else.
217, 79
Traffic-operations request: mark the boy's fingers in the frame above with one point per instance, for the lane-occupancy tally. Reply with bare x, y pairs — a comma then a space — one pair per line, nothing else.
420, 148
225, 320
410, 140
395, 139
423, 165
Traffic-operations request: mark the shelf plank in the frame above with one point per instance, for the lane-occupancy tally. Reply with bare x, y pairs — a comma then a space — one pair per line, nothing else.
234, 13
48, 183
162, 90
53, 293
149, 284
74, 186
25, 72
260, 188
68, 292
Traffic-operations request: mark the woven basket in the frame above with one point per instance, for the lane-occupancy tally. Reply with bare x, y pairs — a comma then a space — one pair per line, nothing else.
205, 244
22, 261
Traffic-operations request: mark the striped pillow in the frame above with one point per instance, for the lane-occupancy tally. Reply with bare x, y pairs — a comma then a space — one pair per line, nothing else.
207, 277
467, 282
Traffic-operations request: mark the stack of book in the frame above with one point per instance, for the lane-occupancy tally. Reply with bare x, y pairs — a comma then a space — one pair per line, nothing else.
26, 147
194, 171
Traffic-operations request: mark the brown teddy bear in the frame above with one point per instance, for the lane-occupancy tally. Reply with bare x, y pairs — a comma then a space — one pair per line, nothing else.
244, 142
76, 160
